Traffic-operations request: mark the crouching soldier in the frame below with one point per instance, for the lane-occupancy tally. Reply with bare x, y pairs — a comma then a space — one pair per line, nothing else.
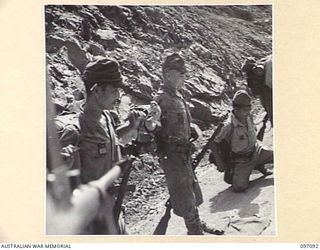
174, 145
235, 150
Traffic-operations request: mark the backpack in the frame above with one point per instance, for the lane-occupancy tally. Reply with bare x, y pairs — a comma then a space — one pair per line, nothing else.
224, 148
225, 151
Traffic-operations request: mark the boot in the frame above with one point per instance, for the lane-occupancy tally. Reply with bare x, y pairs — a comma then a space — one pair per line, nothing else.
194, 228
263, 170
210, 229
193, 224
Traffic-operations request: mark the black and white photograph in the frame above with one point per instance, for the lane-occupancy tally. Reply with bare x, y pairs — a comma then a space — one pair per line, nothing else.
159, 120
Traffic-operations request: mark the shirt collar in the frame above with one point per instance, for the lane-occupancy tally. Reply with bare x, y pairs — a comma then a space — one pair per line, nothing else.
236, 122
172, 92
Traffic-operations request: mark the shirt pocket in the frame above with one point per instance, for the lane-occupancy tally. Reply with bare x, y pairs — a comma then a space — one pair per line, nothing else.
239, 140
176, 117
90, 149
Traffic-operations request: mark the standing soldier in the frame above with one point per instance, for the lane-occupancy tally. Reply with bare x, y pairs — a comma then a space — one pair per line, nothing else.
175, 146
259, 79
96, 136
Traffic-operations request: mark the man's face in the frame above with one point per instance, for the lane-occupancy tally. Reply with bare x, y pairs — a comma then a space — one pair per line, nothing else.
174, 78
108, 96
242, 112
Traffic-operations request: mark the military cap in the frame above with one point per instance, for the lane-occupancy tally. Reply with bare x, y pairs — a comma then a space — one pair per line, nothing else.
174, 61
241, 98
102, 71
248, 64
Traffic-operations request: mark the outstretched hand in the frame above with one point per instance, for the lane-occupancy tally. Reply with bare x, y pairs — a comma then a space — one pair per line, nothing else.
155, 112
135, 117
67, 154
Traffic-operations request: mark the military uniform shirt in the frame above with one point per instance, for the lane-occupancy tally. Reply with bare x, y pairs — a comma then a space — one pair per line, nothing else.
184, 190
175, 117
98, 145
242, 137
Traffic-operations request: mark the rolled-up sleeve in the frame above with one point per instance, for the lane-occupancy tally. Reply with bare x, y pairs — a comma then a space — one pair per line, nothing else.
69, 136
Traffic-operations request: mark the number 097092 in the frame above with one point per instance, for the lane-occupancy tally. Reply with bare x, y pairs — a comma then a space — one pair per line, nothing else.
312, 246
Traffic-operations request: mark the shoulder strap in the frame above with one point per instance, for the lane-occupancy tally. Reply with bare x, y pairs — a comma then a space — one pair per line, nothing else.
229, 138
111, 131
187, 109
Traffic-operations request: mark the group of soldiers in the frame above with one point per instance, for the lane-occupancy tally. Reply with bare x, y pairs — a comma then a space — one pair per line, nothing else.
93, 145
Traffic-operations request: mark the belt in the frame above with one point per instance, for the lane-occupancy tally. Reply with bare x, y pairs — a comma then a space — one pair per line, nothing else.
173, 140
242, 155
179, 148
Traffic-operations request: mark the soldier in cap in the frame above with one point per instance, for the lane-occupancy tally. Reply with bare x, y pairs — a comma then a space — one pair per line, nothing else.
244, 153
96, 137
259, 79
174, 145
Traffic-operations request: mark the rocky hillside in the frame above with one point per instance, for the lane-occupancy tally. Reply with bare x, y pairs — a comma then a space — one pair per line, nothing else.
213, 39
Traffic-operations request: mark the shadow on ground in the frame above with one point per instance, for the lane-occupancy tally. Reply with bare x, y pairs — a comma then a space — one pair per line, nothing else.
243, 213
229, 200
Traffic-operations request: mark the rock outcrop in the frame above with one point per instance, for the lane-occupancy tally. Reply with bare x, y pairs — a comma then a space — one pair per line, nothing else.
213, 40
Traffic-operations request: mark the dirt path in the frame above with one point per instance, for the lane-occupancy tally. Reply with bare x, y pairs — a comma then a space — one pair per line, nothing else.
248, 213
